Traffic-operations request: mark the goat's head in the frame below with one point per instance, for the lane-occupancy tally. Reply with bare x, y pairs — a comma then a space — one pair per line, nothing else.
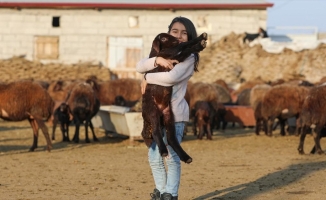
161, 41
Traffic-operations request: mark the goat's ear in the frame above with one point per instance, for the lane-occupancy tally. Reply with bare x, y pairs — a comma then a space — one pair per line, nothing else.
155, 47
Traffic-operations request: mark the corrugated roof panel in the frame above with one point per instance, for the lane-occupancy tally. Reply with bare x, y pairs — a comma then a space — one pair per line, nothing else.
142, 1
163, 4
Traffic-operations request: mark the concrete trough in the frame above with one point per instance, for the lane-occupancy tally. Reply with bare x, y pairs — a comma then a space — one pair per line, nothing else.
118, 119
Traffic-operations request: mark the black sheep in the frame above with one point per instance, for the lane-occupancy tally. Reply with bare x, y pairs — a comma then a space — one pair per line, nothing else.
62, 115
83, 105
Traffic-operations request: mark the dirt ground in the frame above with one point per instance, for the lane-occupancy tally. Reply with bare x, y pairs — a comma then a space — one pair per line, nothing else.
237, 164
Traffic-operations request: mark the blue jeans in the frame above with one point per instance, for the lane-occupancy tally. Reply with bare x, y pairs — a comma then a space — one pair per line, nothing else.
166, 180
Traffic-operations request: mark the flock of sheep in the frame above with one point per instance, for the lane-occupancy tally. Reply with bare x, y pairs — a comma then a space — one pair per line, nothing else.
80, 100
63, 101
273, 103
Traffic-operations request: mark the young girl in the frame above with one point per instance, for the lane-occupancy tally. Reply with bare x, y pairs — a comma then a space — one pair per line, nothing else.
167, 181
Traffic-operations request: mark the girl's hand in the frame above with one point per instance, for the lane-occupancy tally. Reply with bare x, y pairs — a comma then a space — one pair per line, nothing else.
143, 86
166, 63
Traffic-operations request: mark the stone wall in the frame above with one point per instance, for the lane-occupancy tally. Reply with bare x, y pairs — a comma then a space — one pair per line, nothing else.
83, 34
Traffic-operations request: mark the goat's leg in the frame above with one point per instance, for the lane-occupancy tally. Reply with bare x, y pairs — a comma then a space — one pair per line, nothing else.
39, 123
35, 134
218, 123
282, 126
316, 135
54, 125
270, 126
63, 131
86, 131
172, 140
158, 136
194, 41
186, 52
152, 124
76, 135
201, 131
209, 131
265, 125
302, 138
194, 126
67, 131
212, 123
147, 133
257, 127
92, 129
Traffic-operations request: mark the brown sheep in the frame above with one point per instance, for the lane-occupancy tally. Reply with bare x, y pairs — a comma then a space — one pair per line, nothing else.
127, 88
204, 119
243, 98
83, 105
157, 99
282, 102
256, 97
224, 95
313, 116
58, 90
223, 84
247, 85
23, 100
201, 91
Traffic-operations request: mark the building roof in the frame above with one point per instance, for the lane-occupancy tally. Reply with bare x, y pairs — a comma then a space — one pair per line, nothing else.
138, 4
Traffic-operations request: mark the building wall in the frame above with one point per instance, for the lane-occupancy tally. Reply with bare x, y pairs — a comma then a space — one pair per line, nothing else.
83, 34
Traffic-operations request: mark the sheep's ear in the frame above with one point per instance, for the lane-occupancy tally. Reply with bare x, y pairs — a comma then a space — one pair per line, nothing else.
155, 47
58, 86
93, 83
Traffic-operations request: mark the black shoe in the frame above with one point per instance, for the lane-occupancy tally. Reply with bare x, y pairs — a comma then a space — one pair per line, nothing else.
168, 196
155, 195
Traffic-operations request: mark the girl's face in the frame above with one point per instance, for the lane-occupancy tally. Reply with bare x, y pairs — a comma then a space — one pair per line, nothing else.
178, 30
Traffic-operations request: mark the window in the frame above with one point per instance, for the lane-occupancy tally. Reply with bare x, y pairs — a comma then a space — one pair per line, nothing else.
46, 47
133, 21
55, 21
123, 55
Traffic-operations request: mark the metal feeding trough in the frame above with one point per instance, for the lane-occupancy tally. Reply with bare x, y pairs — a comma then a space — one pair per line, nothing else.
243, 115
118, 119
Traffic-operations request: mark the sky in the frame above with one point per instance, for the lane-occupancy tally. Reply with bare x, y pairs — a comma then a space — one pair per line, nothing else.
297, 13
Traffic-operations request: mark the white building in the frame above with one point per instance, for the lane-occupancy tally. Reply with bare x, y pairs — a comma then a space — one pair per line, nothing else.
114, 33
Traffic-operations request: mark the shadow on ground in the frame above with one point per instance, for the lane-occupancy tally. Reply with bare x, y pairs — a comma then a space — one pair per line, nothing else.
267, 183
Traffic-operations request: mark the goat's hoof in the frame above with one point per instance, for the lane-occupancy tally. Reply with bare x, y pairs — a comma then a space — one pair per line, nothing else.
205, 36
203, 43
320, 152
189, 161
